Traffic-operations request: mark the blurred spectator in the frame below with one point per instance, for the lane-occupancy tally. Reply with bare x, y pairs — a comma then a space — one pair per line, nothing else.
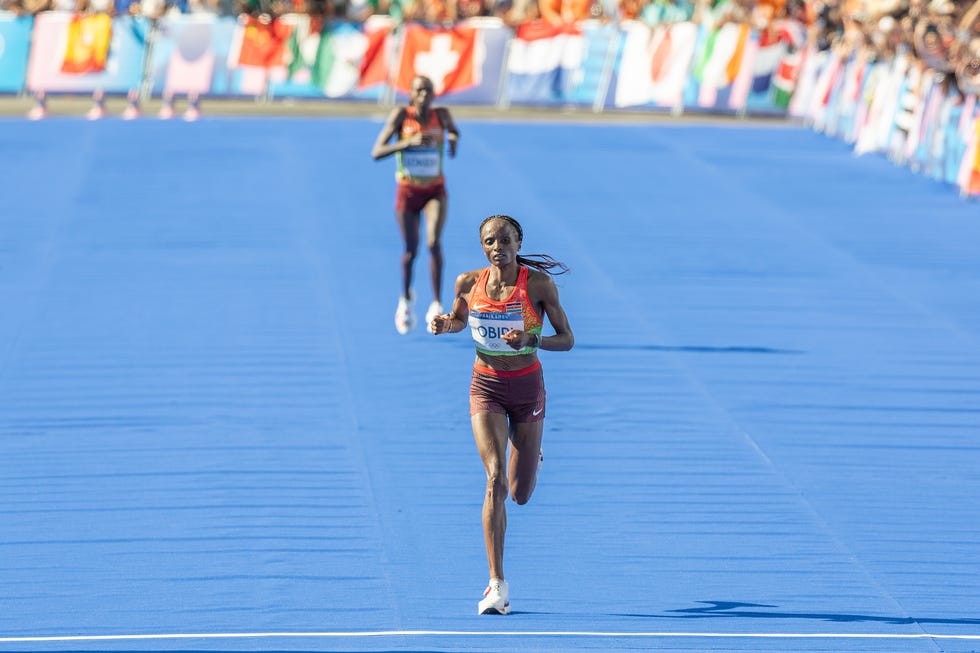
732, 11
360, 10
515, 12
631, 9
212, 7
152, 9
656, 12
472, 9
265, 10
94, 6
32, 6
438, 12
566, 12
404, 10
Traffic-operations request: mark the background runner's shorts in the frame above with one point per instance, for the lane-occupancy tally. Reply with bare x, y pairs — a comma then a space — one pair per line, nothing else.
520, 394
414, 199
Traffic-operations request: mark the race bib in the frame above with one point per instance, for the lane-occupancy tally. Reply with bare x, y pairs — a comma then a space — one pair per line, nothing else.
421, 163
488, 330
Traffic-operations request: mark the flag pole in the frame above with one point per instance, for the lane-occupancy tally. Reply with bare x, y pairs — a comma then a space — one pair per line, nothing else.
605, 77
388, 97
503, 92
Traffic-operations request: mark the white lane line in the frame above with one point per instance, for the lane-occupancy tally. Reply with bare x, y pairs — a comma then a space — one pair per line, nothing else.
480, 633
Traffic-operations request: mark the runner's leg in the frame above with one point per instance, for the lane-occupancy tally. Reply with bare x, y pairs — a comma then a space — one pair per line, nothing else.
435, 220
490, 431
408, 223
525, 455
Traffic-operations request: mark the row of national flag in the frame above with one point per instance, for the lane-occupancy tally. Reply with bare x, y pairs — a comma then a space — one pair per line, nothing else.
731, 67
334, 59
340, 58
667, 66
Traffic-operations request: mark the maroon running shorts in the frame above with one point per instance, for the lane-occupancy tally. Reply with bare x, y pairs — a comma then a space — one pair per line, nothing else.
414, 199
518, 394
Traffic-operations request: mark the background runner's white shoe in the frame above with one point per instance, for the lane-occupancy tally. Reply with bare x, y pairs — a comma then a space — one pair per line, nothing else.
435, 308
405, 315
495, 598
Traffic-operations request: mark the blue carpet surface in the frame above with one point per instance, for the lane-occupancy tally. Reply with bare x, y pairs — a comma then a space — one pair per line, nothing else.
767, 437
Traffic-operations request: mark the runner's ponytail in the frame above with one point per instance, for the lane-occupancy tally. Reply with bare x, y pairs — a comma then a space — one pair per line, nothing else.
540, 262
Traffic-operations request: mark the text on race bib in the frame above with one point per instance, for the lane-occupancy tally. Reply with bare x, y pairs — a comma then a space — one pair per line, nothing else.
421, 163
488, 329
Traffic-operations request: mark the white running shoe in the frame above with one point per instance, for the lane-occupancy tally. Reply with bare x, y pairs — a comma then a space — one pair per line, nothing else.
405, 315
435, 308
495, 598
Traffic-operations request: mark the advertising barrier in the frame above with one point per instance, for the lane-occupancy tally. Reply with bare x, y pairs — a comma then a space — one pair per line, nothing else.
73, 54
15, 46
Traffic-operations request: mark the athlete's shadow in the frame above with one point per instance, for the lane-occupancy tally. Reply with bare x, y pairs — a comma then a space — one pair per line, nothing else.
464, 343
729, 609
690, 349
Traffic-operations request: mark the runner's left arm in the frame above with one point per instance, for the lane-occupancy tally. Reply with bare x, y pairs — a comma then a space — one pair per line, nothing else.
451, 130
563, 339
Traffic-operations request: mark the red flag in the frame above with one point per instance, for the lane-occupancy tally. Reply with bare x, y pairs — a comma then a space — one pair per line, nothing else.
374, 65
971, 161
660, 59
539, 28
446, 56
264, 43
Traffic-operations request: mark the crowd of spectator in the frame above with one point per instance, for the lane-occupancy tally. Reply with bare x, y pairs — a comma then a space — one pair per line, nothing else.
938, 37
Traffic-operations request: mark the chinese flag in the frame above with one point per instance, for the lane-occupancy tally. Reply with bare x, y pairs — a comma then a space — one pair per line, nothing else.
88, 44
264, 44
446, 56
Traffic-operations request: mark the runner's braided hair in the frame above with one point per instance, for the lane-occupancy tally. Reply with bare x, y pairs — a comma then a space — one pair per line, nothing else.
540, 262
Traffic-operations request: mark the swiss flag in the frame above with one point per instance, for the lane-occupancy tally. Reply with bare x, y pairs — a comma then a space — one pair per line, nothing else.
446, 56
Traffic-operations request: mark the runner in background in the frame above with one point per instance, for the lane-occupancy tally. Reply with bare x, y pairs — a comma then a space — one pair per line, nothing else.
505, 305
420, 131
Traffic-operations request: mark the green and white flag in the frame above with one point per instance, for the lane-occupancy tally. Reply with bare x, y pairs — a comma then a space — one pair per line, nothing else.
327, 59
336, 69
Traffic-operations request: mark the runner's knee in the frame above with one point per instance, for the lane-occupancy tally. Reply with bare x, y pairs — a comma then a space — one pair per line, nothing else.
496, 487
520, 493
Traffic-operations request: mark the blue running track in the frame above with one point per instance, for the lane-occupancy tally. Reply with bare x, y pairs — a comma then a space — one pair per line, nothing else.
767, 437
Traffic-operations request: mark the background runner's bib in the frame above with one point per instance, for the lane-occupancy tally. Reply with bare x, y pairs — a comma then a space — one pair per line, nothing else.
488, 330
421, 166
422, 162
